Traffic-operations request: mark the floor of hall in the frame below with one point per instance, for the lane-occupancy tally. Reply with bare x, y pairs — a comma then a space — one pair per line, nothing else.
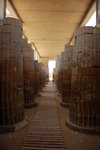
46, 127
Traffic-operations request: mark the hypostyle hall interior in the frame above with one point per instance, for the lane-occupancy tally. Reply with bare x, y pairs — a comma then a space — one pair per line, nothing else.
49, 75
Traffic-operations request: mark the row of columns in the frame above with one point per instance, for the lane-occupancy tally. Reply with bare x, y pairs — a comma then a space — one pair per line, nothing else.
78, 76
21, 77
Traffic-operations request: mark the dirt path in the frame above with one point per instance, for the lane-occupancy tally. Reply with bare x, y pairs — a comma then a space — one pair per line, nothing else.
44, 132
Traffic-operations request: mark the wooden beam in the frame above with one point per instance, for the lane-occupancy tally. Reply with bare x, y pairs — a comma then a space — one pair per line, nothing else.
15, 11
18, 16
83, 22
2, 9
36, 49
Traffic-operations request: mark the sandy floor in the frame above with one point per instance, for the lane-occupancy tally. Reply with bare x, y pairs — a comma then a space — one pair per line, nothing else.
44, 132
73, 140
14, 140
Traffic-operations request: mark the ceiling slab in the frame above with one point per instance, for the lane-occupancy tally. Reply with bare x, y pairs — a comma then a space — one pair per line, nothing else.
50, 24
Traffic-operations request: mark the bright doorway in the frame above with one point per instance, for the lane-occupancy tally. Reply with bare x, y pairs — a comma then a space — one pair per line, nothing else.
51, 66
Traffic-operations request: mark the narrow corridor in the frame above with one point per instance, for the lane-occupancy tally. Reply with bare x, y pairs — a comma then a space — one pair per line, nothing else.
44, 132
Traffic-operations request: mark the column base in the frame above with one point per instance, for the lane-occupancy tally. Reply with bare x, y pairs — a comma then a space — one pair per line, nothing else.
64, 104
30, 105
12, 128
89, 130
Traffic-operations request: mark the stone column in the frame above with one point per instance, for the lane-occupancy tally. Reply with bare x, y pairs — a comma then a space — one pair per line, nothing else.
11, 75
28, 68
